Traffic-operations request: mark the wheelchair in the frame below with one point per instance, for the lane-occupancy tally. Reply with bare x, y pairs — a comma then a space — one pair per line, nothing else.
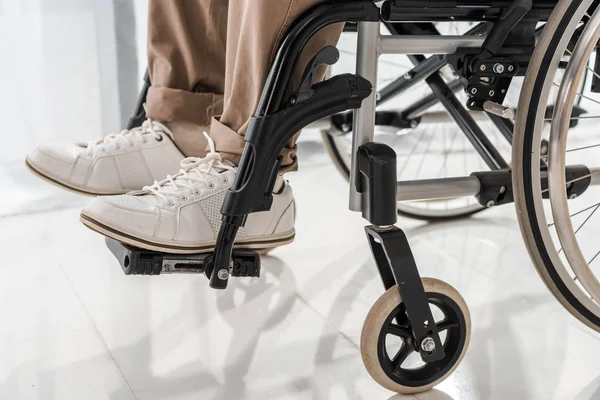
547, 50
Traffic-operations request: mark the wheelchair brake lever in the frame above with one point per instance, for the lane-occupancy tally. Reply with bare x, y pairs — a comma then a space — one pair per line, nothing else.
327, 56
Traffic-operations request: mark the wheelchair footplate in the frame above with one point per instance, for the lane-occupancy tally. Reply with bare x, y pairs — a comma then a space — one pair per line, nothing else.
135, 261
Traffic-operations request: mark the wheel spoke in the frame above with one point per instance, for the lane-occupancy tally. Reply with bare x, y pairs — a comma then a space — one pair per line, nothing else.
587, 219
579, 94
423, 159
400, 331
578, 212
572, 181
588, 68
414, 147
400, 357
577, 118
445, 325
582, 148
447, 153
593, 258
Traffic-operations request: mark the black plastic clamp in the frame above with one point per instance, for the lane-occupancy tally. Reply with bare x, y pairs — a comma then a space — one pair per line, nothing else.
497, 189
377, 181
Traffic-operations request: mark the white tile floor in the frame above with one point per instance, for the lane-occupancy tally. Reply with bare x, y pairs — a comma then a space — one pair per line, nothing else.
74, 327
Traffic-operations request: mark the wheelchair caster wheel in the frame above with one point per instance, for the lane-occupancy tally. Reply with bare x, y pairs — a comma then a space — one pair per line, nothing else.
388, 347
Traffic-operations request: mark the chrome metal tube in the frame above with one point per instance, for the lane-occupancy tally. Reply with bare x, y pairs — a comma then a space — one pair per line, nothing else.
441, 117
444, 188
422, 44
367, 58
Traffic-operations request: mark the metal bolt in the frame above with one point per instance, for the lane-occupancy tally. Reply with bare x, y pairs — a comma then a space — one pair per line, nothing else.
503, 91
502, 189
346, 127
428, 344
573, 196
498, 68
408, 75
378, 96
414, 123
482, 67
223, 274
492, 93
293, 100
511, 68
474, 91
491, 203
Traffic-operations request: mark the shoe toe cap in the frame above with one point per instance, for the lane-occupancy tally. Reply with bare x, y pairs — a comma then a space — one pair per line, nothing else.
131, 215
53, 159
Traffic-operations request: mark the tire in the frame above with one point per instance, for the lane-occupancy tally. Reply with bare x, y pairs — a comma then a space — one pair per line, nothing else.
526, 175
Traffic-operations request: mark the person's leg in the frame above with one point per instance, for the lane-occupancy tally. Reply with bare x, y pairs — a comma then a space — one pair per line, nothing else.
186, 60
255, 30
186, 64
182, 213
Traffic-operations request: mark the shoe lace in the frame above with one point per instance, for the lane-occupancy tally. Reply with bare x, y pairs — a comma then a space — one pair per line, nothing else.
193, 171
128, 137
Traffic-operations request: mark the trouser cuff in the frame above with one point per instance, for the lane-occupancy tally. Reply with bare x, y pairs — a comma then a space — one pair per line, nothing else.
231, 145
168, 105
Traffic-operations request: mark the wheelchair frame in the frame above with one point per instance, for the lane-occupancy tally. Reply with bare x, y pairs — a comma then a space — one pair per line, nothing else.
485, 59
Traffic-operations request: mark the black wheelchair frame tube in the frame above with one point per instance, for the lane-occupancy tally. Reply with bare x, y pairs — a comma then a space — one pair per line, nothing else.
455, 10
505, 126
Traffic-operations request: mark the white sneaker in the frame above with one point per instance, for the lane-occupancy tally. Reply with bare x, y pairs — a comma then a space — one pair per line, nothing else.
182, 214
116, 164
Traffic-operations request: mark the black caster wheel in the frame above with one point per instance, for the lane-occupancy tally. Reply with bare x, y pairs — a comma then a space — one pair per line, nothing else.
388, 347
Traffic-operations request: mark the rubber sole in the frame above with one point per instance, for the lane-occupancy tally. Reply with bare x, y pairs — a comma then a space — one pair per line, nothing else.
66, 186
261, 245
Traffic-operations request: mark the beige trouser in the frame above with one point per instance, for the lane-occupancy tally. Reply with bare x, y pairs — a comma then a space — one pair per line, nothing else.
208, 61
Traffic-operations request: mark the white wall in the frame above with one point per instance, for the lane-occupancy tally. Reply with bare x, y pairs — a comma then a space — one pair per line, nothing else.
58, 73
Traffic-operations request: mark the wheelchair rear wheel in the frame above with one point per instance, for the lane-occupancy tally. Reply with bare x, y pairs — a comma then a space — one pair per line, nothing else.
559, 219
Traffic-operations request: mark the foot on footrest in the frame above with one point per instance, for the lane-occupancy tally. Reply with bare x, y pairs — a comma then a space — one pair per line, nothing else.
135, 261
